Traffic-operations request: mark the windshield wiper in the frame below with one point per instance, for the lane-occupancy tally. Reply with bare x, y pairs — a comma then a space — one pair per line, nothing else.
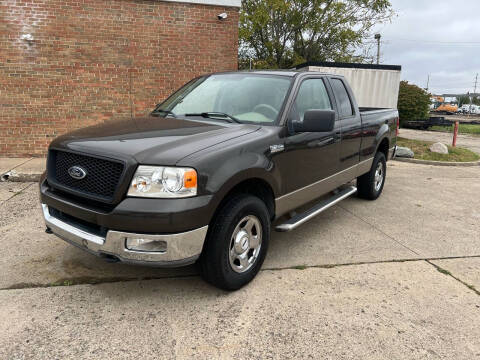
216, 115
168, 112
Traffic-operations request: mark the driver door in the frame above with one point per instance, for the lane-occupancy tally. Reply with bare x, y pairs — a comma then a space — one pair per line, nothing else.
309, 157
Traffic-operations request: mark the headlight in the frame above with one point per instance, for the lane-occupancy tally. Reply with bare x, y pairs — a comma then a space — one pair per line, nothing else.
163, 182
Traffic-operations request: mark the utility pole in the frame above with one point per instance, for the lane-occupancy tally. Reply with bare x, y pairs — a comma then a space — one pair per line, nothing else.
428, 82
474, 92
476, 83
378, 37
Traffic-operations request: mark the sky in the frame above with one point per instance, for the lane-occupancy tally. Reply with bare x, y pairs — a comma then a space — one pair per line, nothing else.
440, 38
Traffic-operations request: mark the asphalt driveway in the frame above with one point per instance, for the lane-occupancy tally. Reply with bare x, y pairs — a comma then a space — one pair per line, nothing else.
390, 279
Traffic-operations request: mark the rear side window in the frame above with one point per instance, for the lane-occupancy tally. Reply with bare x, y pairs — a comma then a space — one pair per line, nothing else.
312, 95
345, 107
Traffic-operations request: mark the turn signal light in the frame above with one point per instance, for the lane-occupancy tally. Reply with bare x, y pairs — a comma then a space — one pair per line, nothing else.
190, 179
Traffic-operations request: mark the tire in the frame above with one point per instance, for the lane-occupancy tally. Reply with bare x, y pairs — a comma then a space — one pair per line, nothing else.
368, 184
222, 262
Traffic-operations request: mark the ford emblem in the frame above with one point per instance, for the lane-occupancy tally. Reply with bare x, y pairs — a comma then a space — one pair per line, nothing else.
77, 172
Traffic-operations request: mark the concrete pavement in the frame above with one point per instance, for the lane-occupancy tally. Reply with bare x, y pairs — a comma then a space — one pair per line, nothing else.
395, 278
21, 169
378, 311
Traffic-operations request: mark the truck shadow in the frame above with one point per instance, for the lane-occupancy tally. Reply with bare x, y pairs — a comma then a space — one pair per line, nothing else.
327, 239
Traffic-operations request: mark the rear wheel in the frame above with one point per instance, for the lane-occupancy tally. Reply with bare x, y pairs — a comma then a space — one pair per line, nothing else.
370, 185
236, 243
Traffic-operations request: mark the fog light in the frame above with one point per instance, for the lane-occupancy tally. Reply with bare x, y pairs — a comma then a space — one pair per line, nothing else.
147, 245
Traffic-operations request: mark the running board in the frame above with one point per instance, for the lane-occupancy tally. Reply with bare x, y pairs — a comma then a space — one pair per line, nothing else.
299, 219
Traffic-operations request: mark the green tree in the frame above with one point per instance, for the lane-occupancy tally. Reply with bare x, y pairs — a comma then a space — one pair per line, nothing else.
284, 33
467, 99
413, 102
462, 100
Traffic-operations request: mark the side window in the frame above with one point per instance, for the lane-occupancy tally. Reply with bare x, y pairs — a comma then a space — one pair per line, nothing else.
312, 95
345, 107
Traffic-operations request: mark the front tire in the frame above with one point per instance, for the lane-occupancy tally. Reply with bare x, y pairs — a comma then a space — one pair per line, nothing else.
370, 185
236, 243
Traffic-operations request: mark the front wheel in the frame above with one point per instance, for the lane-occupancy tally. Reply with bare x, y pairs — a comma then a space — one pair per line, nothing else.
370, 185
236, 243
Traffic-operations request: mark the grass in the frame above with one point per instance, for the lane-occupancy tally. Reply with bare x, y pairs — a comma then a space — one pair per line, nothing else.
422, 152
462, 129
300, 267
443, 271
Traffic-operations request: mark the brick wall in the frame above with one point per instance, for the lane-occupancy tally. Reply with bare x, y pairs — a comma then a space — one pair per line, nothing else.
90, 60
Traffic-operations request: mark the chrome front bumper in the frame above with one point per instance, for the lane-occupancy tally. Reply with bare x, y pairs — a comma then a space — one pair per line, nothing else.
181, 249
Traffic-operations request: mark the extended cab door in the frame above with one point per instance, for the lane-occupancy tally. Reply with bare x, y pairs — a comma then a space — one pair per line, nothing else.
350, 121
309, 157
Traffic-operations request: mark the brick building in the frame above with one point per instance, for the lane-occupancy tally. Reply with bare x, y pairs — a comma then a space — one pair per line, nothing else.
66, 64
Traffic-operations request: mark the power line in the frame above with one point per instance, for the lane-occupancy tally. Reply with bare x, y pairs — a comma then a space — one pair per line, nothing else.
438, 42
465, 84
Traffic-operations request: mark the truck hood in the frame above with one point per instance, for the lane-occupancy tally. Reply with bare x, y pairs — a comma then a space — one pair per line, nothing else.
150, 140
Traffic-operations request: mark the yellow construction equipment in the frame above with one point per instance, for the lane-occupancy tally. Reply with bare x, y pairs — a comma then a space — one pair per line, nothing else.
447, 108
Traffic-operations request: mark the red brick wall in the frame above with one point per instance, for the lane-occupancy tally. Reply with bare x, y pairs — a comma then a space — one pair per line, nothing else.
86, 55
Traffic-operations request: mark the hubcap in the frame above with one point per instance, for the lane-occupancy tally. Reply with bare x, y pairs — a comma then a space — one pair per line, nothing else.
245, 244
379, 176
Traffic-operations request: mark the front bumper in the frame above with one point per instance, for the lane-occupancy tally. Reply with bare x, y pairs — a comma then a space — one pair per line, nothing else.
181, 248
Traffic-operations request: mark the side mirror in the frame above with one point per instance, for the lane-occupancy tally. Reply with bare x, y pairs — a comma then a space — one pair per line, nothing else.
315, 121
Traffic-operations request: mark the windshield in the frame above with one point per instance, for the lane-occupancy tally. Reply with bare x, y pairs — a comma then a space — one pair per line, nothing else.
246, 97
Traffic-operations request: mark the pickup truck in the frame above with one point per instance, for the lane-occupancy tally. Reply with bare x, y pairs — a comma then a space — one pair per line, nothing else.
202, 178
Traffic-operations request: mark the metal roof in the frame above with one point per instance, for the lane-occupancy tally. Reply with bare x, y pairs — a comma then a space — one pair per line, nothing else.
349, 65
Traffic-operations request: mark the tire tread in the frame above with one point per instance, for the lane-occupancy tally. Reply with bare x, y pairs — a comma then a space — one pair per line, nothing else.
365, 187
211, 264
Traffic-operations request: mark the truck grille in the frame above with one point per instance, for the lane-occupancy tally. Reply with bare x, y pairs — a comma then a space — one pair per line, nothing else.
101, 181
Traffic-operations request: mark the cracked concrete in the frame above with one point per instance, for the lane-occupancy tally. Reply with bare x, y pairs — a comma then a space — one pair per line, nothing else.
465, 269
381, 311
21, 169
395, 278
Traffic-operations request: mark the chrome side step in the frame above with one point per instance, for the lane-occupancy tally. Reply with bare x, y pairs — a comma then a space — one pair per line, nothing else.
299, 219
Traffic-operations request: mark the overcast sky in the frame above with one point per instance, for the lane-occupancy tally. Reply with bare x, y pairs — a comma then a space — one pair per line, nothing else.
440, 38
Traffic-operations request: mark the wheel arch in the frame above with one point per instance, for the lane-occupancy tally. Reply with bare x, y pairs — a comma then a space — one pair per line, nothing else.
383, 147
256, 184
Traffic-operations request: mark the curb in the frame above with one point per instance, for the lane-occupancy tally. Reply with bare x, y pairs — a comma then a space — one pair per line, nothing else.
13, 176
438, 163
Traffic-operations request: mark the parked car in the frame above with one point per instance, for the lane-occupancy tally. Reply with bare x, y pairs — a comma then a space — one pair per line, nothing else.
474, 109
465, 108
203, 177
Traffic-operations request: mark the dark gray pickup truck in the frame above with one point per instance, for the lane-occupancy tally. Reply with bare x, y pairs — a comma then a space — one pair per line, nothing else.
202, 177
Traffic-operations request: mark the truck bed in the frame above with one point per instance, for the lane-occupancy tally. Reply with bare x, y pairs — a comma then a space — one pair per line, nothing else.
368, 110
378, 115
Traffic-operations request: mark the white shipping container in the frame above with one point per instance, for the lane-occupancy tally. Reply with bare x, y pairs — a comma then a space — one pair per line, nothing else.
375, 86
